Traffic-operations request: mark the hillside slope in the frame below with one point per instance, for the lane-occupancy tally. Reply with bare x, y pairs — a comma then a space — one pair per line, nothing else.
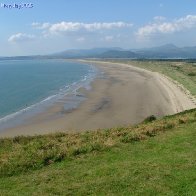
115, 161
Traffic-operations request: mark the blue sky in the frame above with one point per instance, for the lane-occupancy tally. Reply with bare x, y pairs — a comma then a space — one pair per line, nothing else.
52, 26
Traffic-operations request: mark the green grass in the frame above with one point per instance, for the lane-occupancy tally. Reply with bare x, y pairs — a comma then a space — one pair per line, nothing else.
153, 158
180, 71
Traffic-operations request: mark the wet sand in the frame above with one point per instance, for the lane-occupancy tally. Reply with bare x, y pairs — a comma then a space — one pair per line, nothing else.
124, 95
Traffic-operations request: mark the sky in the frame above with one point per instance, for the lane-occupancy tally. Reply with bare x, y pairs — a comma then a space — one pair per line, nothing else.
48, 26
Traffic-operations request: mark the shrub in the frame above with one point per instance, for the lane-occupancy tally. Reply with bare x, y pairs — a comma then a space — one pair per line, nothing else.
150, 119
192, 74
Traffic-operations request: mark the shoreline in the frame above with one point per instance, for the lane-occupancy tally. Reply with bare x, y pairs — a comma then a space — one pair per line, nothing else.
30, 110
166, 81
113, 101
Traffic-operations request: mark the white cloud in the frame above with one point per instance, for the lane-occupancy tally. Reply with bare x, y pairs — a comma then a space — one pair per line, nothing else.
109, 38
159, 18
38, 25
162, 27
21, 37
80, 39
64, 27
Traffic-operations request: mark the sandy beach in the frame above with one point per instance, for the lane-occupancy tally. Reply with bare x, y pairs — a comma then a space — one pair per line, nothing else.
124, 95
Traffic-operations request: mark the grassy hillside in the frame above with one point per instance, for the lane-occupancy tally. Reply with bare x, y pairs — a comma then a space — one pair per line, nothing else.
154, 158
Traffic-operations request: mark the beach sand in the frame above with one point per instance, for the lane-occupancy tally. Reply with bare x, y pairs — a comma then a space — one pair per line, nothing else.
124, 95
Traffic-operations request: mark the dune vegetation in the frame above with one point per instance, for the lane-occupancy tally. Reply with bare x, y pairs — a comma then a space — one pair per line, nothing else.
182, 71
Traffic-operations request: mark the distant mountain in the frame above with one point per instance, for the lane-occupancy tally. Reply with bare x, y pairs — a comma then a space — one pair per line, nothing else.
190, 51
163, 47
164, 51
168, 51
119, 54
85, 53
22, 57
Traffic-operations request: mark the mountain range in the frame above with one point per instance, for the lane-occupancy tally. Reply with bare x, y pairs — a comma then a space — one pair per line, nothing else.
164, 51
168, 51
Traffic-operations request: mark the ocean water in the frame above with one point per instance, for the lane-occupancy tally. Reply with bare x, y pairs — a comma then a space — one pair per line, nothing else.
28, 85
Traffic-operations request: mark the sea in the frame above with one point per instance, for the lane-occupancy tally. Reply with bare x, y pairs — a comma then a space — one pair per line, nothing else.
28, 87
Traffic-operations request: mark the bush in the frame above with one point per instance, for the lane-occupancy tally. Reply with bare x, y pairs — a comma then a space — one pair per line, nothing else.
192, 74
150, 119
